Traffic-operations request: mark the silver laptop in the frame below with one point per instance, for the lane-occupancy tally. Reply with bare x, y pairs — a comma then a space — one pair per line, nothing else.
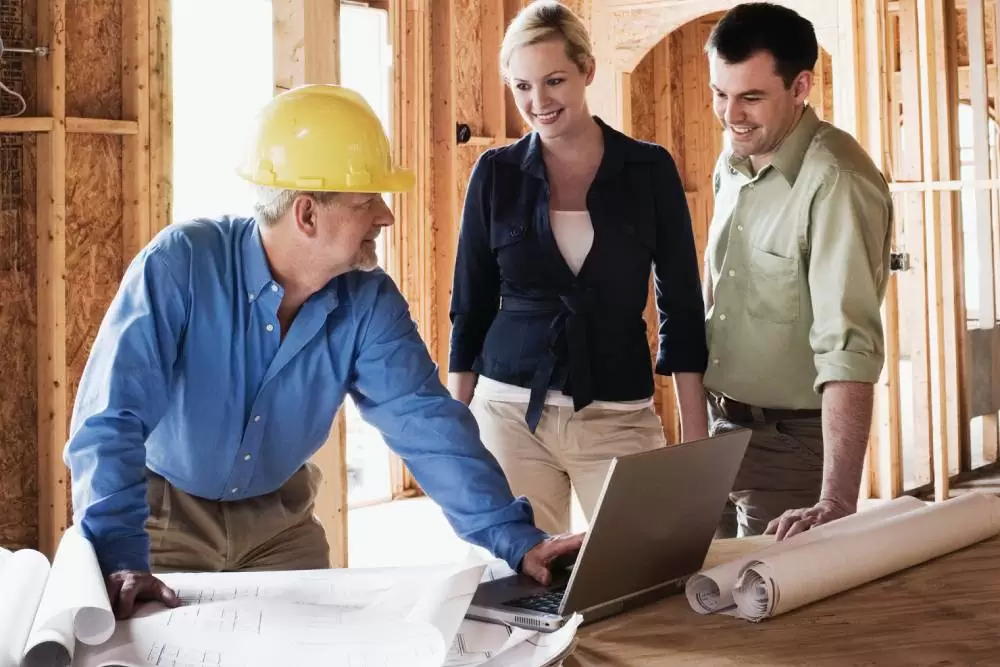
652, 527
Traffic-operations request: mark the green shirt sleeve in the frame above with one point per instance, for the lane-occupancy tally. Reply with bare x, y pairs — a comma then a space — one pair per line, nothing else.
848, 270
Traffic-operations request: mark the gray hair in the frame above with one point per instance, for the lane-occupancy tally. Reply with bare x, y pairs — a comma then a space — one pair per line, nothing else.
272, 203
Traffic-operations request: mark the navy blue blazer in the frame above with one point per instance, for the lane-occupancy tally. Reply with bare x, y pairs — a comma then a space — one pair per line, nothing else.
520, 316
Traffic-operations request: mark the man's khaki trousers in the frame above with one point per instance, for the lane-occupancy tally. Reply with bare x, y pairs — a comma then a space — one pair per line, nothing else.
781, 470
277, 531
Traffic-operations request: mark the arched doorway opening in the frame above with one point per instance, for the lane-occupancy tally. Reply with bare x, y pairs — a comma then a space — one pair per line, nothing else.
670, 103
667, 100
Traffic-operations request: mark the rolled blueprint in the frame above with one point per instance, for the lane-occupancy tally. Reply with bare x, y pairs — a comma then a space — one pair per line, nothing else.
712, 590
771, 585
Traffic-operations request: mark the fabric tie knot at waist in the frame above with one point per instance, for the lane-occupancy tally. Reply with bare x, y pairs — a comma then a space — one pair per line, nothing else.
567, 329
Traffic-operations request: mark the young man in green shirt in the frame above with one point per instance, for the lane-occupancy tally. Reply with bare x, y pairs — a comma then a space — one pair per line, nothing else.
796, 269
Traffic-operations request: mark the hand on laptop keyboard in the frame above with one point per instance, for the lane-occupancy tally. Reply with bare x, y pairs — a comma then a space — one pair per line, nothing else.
555, 552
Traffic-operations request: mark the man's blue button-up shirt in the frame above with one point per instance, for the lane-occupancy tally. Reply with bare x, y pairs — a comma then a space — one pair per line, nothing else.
189, 376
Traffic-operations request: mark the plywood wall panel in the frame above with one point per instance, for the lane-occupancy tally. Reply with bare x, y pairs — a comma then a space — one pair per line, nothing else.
962, 28
469, 65
643, 100
18, 436
94, 44
94, 263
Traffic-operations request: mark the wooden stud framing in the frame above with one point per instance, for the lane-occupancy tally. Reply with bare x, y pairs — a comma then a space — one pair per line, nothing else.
161, 106
884, 460
976, 17
445, 201
53, 384
306, 50
935, 19
135, 107
912, 285
59, 327
26, 124
411, 251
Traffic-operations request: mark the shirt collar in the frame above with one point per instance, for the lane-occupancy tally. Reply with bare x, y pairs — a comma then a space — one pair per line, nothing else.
792, 151
619, 149
256, 271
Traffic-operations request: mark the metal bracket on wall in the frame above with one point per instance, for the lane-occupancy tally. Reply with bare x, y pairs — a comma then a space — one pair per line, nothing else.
40, 51
899, 261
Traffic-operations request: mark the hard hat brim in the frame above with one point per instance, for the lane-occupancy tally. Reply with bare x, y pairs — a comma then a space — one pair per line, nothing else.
397, 180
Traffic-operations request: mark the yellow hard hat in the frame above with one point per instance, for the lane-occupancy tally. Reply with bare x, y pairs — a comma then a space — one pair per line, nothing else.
321, 138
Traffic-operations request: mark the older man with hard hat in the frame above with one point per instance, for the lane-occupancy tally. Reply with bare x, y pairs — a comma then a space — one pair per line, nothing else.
229, 348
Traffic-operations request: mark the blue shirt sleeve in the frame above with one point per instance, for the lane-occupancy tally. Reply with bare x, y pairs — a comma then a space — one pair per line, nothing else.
123, 394
397, 389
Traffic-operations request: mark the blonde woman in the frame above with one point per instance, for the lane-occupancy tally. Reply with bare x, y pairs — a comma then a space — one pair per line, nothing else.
559, 234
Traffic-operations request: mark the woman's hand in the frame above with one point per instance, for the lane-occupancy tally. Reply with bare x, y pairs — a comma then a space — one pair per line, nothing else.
462, 386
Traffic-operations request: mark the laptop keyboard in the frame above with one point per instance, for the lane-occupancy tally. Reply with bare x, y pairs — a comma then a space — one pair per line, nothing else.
546, 602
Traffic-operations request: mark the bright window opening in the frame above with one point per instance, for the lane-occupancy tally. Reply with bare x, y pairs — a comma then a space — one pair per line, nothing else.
223, 73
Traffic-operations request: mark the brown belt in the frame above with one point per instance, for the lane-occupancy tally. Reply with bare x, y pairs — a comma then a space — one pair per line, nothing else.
738, 412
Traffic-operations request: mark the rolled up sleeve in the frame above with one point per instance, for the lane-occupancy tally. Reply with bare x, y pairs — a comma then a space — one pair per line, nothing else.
476, 287
397, 389
683, 345
848, 269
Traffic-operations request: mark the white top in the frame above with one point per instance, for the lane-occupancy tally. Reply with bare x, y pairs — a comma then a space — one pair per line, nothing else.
574, 234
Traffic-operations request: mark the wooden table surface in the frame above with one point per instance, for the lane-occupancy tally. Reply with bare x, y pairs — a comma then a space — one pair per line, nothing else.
943, 612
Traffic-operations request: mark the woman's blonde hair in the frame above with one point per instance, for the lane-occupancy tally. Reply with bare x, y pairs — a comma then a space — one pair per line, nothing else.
544, 20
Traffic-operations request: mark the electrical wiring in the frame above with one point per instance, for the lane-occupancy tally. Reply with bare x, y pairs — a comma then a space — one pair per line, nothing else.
4, 88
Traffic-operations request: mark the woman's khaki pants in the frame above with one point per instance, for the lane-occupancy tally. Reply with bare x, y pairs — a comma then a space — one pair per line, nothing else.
568, 450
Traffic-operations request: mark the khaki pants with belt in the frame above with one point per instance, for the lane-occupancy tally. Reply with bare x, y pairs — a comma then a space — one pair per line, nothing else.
781, 470
568, 450
276, 531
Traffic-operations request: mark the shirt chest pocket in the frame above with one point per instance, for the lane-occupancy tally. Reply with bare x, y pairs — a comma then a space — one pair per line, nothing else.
773, 294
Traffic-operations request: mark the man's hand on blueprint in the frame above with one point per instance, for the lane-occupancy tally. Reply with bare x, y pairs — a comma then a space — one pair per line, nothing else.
126, 587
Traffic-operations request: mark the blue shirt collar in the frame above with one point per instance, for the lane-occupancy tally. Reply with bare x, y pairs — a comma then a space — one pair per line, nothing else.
257, 272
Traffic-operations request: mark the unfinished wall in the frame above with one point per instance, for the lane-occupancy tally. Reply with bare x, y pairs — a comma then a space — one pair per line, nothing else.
18, 439
75, 206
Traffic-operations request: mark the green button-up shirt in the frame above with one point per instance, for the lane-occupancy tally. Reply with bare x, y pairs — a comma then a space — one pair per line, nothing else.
799, 260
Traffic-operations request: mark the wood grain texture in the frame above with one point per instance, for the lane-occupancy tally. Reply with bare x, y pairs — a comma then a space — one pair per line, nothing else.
50, 271
445, 211
18, 319
161, 164
18, 28
94, 262
468, 72
94, 46
944, 612
18, 307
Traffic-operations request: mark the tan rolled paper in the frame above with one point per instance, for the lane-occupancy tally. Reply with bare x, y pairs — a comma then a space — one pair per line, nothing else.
776, 584
711, 590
